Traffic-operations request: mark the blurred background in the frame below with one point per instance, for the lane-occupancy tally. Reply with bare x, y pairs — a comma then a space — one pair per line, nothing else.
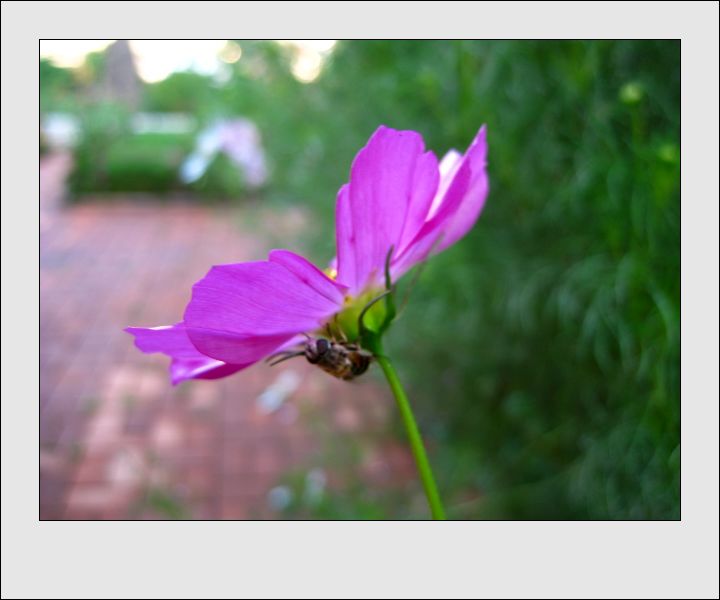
541, 352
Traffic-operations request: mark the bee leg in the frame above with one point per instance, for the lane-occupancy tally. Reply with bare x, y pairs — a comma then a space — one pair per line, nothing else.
288, 357
281, 353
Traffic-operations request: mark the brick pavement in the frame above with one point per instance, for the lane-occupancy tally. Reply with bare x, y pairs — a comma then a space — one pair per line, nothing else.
117, 441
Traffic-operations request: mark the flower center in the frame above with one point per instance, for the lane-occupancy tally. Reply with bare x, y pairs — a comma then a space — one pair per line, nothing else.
347, 318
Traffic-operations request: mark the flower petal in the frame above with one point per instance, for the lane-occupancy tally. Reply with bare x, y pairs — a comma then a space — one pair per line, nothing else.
460, 198
309, 274
392, 184
463, 216
449, 166
345, 239
424, 185
240, 313
187, 362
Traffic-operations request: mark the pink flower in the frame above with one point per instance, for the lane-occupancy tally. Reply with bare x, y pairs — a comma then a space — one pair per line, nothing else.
399, 197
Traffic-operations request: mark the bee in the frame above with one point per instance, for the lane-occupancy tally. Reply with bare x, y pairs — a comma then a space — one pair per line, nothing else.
340, 359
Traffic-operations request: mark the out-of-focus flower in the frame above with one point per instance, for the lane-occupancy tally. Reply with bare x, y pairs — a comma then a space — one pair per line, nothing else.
400, 206
240, 140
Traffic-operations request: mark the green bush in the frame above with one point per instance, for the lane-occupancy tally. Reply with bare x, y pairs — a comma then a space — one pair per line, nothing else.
110, 158
554, 326
146, 163
150, 163
101, 126
123, 162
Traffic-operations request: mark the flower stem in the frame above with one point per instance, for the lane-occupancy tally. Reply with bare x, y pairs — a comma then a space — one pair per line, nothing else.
416, 443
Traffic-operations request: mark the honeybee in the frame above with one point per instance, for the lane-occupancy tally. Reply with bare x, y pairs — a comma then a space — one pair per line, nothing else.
343, 360
340, 358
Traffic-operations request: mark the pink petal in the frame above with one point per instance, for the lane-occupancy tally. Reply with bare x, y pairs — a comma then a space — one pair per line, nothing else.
449, 166
345, 239
309, 274
466, 213
240, 313
392, 184
187, 362
424, 186
456, 207
431, 235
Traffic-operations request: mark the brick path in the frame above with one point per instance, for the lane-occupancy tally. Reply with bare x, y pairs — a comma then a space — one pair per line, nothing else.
117, 441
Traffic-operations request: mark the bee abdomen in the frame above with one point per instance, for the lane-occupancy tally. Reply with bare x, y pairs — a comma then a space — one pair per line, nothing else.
360, 364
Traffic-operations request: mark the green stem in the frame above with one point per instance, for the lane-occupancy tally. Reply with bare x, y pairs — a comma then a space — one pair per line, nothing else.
416, 443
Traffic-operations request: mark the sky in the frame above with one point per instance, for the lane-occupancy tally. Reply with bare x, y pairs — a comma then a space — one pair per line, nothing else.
156, 59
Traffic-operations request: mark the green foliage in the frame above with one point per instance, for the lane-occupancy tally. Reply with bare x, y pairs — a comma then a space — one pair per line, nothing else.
66, 89
58, 87
355, 501
181, 92
164, 504
223, 180
101, 126
261, 87
554, 326
146, 162
109, 158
